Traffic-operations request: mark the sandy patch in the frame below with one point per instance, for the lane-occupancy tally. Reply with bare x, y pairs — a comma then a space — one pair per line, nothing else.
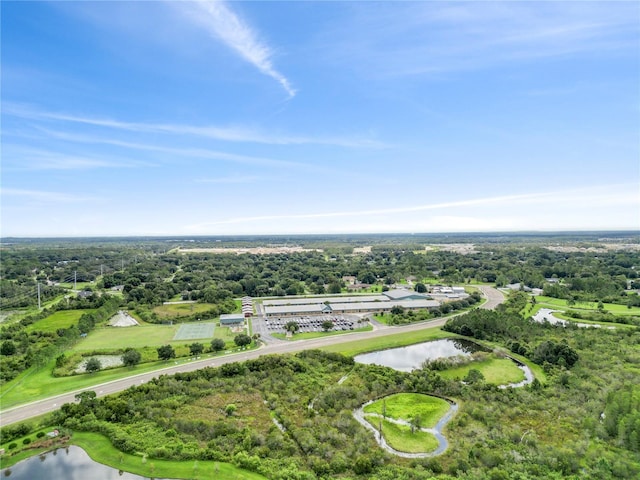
122, 319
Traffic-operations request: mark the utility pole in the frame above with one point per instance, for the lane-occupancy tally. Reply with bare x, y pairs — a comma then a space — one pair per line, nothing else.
122, 262
75, 279
38, 295
101, 266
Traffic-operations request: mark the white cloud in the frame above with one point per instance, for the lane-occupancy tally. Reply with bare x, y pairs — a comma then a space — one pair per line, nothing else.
221, 22
230, 134
43, 196
230, 180
480, 214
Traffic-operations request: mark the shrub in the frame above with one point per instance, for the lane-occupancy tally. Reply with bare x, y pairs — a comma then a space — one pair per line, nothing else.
26, 441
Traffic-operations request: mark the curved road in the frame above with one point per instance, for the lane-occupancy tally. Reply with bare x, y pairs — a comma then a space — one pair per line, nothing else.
40, 407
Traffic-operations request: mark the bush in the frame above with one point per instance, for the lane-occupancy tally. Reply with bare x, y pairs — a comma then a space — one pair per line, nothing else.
12, 445
40, 434
26, 441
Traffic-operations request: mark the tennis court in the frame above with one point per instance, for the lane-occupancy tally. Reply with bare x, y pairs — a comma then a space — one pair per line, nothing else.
192, 331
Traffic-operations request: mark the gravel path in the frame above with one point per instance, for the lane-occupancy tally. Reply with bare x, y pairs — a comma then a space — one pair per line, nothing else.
359, 415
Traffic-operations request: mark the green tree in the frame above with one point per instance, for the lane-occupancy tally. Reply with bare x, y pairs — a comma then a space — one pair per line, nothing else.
93, 365
217, 345
131, 357
327, 325
196, 348
8, 348
420, 288
166, 352
292, 327
242, 340
415, 423
474, 376
230, 409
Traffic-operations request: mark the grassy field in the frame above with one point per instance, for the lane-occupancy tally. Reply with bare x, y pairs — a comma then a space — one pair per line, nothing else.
403, 406
390, 341
497, 371
78, 285
614, 308
310, 335
177, 310
59, 319
145, 335
400, 437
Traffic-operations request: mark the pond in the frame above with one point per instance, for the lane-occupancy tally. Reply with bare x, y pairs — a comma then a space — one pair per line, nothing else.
70, 463
409, 358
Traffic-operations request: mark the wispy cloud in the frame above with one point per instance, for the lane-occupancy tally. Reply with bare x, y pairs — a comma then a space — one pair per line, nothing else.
43, 196
230, 180
19, 158
230, 134
602, 196
179, 153
414, 38
223, 23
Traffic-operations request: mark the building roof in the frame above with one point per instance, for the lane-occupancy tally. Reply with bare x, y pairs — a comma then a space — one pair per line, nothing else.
399, 294
316, 300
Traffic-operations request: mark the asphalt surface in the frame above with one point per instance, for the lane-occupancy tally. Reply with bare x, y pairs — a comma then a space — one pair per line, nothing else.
40, 407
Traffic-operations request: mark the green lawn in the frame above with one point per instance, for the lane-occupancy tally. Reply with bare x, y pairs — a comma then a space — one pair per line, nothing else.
181, 309
614, 308
403, 406
146, 335
400, 437
497, 371
59, 319
78, 285
390, 341
123, 337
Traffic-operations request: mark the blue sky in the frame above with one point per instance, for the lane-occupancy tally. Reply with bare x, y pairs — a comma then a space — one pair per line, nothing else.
205, 118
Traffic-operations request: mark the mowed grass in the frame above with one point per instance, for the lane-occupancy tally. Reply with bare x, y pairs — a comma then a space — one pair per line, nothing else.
181, 309
404, 406
497, 371
609, 307
147, 335
59, 319
127, 337
357, 347
400, 437
102, 451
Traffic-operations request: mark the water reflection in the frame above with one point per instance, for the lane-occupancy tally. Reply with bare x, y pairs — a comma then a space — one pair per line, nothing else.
409, 358
74, 464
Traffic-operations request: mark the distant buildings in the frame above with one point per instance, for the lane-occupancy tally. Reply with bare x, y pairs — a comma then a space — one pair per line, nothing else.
377, 303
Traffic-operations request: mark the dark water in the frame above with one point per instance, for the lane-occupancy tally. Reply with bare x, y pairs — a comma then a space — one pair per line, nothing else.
409, 358
70, 463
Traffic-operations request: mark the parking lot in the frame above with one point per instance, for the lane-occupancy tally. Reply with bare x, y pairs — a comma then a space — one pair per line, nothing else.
314, 323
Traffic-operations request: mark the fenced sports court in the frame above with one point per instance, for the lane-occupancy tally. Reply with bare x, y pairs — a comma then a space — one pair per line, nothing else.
192, 331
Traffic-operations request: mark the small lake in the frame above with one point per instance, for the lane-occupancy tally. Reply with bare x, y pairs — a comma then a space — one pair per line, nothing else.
71, 463
410, 358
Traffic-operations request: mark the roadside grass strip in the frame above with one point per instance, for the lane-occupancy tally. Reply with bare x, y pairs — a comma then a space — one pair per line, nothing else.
192, 331
351, 349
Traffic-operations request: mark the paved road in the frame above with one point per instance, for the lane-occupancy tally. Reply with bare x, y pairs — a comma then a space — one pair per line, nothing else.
41, 407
